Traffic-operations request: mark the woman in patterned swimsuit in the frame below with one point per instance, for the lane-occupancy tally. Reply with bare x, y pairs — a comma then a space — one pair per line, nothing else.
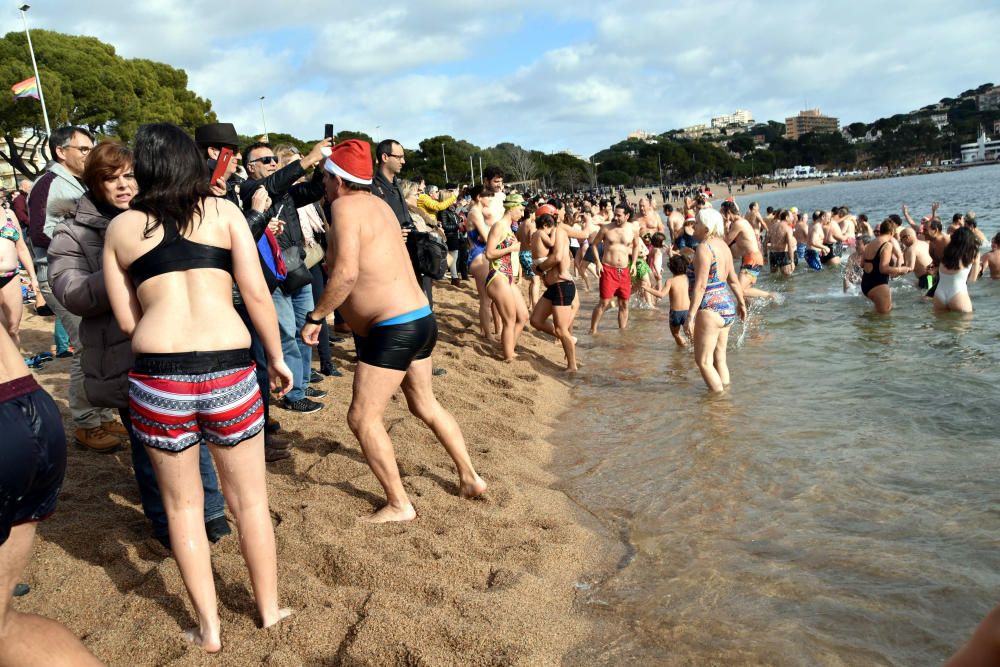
12, 251
501, 247
714, 306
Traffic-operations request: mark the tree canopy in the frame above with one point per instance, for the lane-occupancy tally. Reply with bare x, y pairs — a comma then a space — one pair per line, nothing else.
87, 84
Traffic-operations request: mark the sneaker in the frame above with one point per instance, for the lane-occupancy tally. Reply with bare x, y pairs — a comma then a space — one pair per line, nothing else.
334, 338
217, 528
65, 354
315, 377
331, 371
115, 427
272, 454
456, 282
313, 392
97, 440
439, 371
303, 405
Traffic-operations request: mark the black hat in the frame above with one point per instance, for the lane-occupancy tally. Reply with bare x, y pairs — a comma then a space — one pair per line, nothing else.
217, 134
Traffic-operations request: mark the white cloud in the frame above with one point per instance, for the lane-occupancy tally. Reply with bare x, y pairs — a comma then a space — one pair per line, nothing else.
441, 68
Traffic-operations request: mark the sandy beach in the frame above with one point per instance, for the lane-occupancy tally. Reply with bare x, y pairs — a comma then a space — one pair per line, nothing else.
484, 582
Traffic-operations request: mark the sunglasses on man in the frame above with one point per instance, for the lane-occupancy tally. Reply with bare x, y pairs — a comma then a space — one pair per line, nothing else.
266, 159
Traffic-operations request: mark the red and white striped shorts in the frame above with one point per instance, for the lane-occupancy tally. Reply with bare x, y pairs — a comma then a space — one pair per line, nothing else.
177, 410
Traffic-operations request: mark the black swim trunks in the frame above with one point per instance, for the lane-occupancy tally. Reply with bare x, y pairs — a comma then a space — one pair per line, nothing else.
561, 293
778, 259
32, 451
836, 250
397, 342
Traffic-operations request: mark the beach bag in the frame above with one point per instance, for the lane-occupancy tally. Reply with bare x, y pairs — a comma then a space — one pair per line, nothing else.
430, 254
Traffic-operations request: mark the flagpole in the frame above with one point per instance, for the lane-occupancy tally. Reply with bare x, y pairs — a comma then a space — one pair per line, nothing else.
34, 65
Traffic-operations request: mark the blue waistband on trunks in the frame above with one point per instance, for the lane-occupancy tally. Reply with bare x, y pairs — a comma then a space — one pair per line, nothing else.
405, 317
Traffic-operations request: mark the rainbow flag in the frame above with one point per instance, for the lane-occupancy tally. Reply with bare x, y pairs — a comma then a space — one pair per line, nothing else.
26, 88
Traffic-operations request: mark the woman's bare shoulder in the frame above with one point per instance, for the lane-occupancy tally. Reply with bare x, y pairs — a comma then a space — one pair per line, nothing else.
126, 220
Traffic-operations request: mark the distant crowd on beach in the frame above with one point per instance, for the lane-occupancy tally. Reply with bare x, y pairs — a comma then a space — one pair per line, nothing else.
196, 286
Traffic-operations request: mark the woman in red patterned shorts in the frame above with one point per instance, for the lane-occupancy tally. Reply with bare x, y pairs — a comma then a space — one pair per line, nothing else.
169, 266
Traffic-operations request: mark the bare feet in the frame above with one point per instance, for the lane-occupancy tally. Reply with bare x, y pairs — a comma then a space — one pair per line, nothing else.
272, 619
390, 513
593, 331
472, 489
207, 639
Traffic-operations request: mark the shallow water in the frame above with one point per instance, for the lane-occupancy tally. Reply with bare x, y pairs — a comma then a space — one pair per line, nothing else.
838, 505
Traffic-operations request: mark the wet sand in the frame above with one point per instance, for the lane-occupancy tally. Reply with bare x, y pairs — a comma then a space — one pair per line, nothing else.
484, 582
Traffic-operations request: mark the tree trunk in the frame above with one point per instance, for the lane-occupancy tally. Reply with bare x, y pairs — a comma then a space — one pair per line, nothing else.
16, 158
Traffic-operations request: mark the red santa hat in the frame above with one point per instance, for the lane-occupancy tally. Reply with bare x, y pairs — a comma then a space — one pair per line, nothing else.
351, 160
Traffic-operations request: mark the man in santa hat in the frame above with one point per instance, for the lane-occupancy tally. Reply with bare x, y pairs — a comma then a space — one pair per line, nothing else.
373, 286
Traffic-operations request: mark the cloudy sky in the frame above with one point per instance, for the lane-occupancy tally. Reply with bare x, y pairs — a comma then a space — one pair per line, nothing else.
547, 75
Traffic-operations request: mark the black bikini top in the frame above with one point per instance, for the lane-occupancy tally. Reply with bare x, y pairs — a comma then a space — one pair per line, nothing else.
176, 253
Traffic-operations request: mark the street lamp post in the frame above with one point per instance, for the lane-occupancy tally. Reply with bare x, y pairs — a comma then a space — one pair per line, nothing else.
34, 66
263, 122
378, 137
445, 160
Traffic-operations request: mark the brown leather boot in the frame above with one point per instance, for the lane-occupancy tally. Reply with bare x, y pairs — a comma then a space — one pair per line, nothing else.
115, 427
97, 440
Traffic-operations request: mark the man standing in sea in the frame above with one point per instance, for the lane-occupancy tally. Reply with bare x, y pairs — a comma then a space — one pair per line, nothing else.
917, 256
621, 248
742, 242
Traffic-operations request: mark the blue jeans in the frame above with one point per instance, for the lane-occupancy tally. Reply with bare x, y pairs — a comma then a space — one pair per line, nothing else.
292, 312
260, 358
149, 490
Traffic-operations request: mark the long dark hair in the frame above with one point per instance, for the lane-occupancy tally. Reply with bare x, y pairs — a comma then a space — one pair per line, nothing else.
172, 177
477, 191
961, 249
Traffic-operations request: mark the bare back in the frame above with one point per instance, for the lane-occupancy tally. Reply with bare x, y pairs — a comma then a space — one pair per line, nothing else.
742, 239
364, 229
178, 311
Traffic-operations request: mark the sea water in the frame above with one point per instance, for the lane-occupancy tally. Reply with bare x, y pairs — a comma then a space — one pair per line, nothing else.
838, 505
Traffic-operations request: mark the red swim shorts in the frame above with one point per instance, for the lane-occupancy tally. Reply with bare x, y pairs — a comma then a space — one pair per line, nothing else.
616, 282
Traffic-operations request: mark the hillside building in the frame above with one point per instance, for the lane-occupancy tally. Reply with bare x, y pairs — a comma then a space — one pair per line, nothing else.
739, 118
810, 120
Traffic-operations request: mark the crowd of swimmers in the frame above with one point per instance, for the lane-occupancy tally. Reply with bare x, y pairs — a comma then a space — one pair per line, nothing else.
174, 281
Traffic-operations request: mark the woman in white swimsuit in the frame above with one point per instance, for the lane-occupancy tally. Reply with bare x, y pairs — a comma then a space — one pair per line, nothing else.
959, 266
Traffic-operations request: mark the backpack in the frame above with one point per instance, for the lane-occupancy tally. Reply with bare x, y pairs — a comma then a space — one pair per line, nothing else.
429, 254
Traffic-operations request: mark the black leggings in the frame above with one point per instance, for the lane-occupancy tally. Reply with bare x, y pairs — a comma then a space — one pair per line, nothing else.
318, 285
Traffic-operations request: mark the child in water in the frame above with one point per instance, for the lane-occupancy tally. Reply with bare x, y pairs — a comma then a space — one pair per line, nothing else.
678, 296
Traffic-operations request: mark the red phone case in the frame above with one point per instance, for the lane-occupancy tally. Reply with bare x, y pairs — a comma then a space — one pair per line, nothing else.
220, 167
